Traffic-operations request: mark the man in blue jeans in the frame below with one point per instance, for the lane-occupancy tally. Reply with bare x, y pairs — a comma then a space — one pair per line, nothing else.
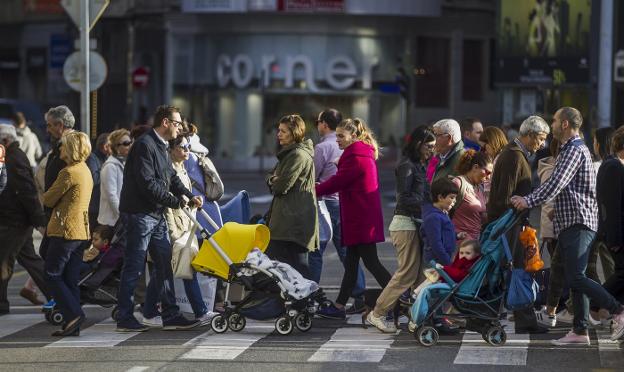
573, 186
150, 185
326, 155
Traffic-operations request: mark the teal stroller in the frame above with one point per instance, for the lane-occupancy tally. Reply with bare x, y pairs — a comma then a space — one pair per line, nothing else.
480, 297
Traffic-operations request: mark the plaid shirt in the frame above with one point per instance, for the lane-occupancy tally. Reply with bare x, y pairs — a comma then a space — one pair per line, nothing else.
573, 185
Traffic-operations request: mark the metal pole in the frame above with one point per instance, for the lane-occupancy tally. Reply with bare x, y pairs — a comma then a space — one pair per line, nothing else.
84, 56
605, 70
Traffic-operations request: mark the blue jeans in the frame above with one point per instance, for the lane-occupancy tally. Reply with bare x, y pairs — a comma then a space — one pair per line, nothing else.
62, 269
143, 233
191, 288
315, 258
420, 308
574, 243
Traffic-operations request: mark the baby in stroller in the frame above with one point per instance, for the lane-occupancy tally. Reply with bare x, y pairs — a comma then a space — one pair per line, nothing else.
468, 253
100, 244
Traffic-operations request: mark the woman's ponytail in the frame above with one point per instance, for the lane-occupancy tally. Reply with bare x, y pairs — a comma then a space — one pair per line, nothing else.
358, 128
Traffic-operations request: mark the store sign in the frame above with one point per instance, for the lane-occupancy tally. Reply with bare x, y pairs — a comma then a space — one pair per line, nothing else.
340, 72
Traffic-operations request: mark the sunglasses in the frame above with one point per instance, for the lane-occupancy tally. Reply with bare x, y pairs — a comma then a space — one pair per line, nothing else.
125, 143
185, 147
487, 172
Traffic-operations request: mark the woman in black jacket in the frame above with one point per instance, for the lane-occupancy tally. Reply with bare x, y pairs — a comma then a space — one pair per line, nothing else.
610, 195
412, 189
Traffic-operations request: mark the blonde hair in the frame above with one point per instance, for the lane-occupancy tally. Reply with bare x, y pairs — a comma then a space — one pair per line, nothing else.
115, 137
296, 125
358, 128
77, 146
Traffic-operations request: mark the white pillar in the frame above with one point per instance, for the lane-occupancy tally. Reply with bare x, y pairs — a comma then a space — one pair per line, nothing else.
605, 78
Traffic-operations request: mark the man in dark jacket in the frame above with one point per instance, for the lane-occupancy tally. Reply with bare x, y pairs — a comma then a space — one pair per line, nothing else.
512, 176
95, 162
20, 211
449, 147
150, 186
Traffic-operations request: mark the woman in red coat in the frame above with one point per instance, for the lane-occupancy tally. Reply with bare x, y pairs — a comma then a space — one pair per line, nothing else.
361, 219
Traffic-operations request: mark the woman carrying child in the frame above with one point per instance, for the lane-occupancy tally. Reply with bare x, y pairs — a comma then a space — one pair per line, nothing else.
361, 219
412, 189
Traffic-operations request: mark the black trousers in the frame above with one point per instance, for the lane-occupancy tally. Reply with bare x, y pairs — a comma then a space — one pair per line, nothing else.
290, 253
17, 244
368, 254
615, 283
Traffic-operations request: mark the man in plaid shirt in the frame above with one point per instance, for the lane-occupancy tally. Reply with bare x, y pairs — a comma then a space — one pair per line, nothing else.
572, 185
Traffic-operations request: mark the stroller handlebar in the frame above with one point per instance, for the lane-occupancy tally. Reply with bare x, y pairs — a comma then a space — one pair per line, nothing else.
442, 273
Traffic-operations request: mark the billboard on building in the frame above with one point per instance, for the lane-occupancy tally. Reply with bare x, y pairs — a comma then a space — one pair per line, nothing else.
543, 42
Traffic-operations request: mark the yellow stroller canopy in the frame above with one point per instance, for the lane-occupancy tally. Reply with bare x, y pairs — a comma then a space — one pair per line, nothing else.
236, 241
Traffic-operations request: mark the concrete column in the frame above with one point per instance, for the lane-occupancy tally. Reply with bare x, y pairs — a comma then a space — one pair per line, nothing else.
456, 71
226, 122
605, 71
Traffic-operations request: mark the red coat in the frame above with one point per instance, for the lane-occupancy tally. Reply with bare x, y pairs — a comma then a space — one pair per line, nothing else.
459, 268
357, 184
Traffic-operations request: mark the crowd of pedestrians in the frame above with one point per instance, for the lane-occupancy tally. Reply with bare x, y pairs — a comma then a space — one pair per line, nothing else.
451, 181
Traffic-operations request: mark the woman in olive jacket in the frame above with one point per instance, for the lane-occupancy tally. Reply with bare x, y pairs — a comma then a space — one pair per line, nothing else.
68, 229
293, 218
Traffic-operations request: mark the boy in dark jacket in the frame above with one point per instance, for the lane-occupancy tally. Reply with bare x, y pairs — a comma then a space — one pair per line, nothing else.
437, 229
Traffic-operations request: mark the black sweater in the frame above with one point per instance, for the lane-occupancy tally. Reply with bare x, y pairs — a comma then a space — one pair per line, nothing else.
610, 195
150, 183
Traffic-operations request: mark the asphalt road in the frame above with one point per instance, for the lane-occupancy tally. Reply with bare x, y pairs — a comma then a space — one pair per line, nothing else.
26, 344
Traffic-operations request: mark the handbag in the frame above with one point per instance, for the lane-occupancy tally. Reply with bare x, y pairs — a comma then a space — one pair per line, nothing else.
214, 185
184, 250
522, 291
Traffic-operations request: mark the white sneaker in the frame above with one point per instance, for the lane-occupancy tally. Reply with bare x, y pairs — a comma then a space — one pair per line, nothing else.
593, 322
546, 319
565, 317
618, 327
411, 326
155, 322
380, 323
206, 318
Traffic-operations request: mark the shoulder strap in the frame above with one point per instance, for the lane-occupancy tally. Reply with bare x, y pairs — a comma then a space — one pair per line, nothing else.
463, 187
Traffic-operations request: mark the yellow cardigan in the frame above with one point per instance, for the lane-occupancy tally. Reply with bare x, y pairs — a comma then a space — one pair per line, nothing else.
69, 197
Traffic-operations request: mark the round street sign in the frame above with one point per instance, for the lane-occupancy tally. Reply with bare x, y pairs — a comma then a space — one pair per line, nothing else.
97, 71
140, 77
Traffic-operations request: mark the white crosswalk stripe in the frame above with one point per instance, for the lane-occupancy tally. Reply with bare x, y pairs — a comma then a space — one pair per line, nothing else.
13, 323
227, 346
354, 344
102, 334
610, 351
474, 350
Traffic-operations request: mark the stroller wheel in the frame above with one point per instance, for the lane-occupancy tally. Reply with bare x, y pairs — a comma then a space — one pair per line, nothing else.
56, 317
236, 322
115, 313
283, 325
303, 322
427, 335
495, 336
219, 324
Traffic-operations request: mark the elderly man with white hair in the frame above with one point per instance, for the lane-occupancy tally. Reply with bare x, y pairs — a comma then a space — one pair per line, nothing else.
512, 176
448, 146
20, 211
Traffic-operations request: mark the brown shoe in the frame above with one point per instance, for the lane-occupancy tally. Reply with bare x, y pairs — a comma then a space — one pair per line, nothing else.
31, 296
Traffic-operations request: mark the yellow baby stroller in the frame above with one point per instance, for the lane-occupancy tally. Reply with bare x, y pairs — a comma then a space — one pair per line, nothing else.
274, 290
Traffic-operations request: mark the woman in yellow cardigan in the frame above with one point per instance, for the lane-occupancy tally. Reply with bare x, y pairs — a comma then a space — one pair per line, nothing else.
68, 229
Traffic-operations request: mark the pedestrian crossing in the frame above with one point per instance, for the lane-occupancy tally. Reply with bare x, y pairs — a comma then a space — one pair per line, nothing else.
327, 342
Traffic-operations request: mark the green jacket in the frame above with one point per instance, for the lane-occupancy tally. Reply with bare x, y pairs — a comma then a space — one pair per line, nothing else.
293, 216
447, 167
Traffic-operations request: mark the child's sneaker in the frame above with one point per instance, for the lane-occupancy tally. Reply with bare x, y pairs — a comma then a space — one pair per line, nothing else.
49, 305
380, 323
411, 326
332, 312
572, 339
565, 316
406, 298
546, 319
617, 326
206, 318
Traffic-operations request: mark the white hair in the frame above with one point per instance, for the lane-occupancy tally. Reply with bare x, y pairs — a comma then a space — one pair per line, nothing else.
534, 125
61, 114
7, 131
451, 127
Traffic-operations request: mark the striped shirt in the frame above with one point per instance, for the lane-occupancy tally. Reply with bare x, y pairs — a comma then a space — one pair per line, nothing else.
573, 186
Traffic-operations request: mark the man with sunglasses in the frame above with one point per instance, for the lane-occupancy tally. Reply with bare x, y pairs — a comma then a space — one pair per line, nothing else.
150, 185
